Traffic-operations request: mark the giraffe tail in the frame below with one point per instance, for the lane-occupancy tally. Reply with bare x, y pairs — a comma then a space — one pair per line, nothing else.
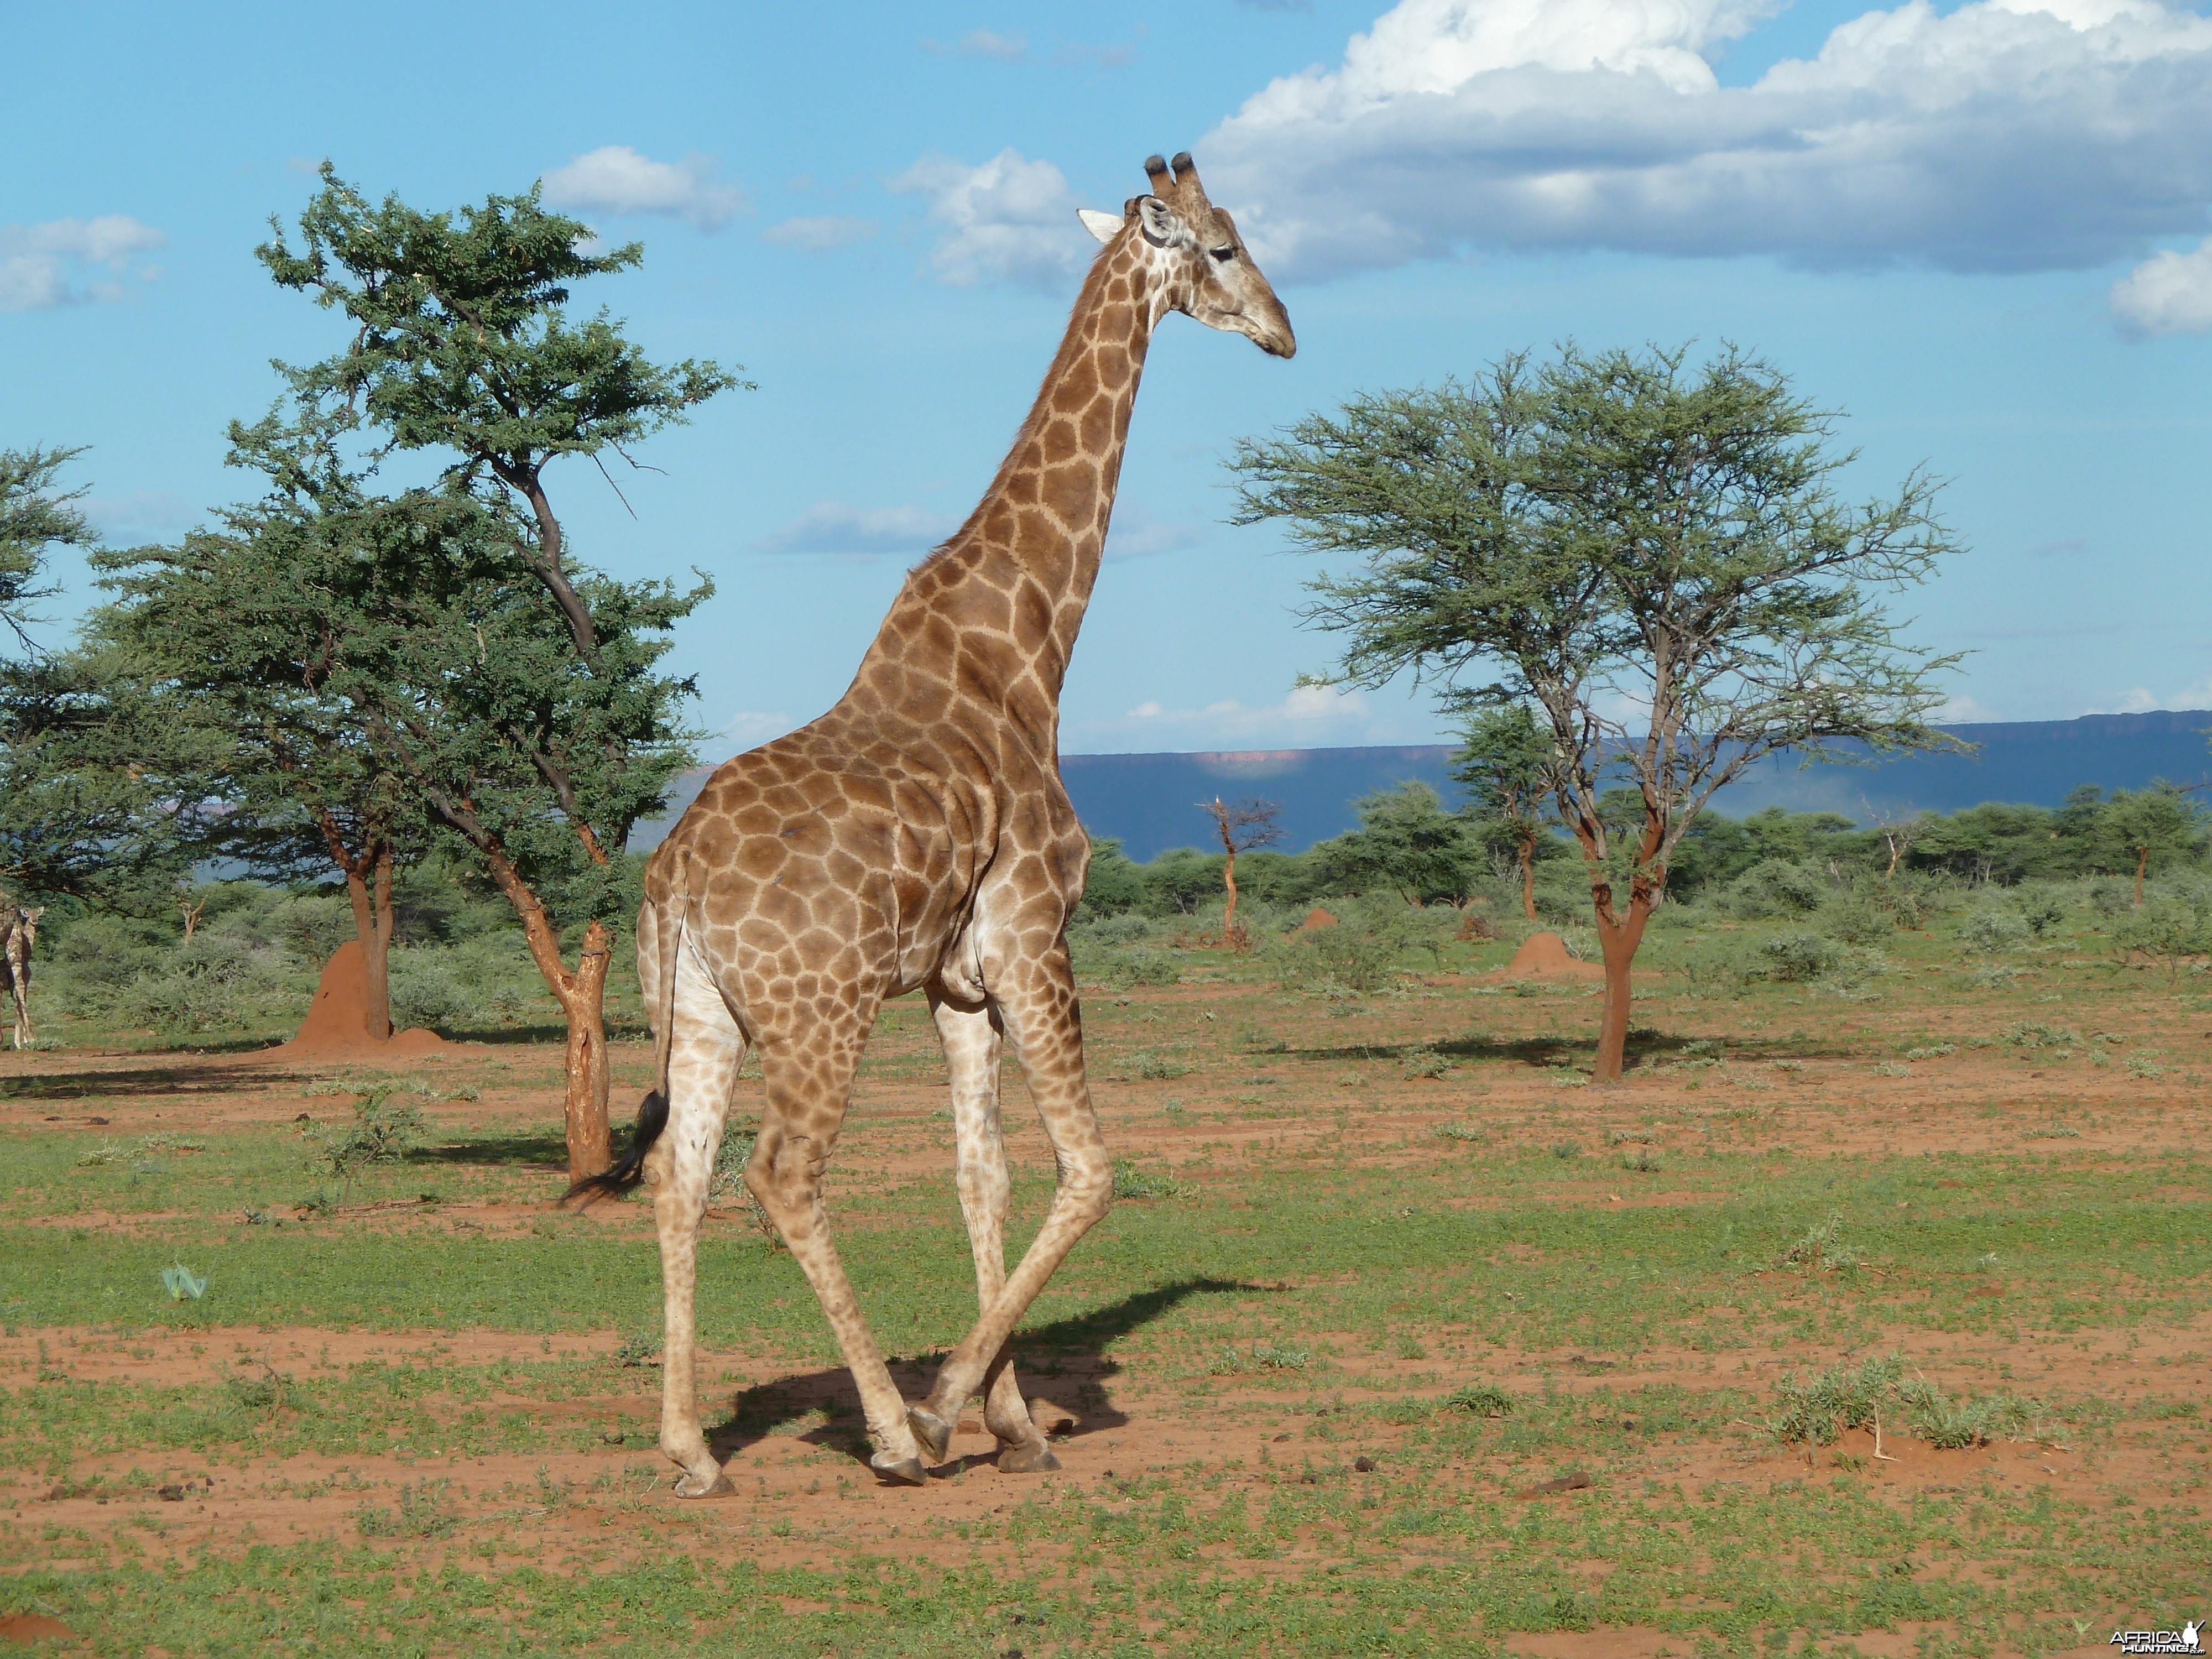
652, 1111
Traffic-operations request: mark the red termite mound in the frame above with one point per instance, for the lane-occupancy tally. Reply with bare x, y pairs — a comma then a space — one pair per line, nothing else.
1317, 919
336, 1025
1544, 956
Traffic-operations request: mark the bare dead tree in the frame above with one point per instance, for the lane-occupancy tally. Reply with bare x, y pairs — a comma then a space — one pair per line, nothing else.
1248, 824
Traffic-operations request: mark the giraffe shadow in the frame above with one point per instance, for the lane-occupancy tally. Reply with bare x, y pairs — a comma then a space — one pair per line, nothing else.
1065, 1361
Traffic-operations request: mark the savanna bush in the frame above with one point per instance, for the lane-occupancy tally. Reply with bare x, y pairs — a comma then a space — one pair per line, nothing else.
1858, 917
1774, 887
1799, 956
1995, 929
1360, 955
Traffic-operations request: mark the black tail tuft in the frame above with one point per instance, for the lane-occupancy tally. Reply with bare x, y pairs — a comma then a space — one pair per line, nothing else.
629, 1168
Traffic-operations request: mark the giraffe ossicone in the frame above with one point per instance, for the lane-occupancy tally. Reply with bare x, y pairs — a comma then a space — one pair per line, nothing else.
917, 837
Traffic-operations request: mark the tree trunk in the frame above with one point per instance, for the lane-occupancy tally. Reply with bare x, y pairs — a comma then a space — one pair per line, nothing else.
1618, 936
582, 996
1228, 915
2142, 859
1528, 877
584, 1115
372, 926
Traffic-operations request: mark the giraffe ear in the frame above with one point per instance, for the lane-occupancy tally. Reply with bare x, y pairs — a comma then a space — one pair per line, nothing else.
1162, 227
1104, 226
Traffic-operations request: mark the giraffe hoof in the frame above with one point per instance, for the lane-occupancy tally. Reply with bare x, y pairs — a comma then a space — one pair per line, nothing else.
693, 1486
933, 1430
1027, 1457
900, 1471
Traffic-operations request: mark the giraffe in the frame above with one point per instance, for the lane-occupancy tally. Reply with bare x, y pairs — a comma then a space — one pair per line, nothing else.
19, 932
917, 836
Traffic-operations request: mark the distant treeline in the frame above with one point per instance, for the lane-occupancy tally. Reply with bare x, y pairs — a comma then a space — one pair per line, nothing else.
1408, 843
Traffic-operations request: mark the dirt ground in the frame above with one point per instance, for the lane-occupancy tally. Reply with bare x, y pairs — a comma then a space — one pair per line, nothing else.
1799, 1086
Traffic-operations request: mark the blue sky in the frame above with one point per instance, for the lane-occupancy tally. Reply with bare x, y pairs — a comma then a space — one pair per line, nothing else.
1980, 230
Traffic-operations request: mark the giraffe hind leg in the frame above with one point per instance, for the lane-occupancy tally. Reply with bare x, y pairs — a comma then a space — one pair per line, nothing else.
809, 1080
705, 1052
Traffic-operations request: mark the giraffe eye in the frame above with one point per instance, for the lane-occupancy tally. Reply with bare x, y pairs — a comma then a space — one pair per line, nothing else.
1226, 254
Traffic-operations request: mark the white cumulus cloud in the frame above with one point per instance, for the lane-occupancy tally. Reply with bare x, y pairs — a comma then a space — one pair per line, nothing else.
73, 261
2003, 135
140, 512
819, 235
1010, 220
834, 527
1137, 533
617, 180
1006, 48
1310, 716
2169, 293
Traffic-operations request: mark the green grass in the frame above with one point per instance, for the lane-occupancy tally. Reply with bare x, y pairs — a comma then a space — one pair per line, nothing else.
1451, 1306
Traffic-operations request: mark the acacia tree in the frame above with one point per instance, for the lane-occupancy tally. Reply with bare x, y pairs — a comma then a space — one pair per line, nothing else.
1248, 824
240, 634
451, 693
35, 515
1505, 763
462, 346
85, 806
1650, 560
1405, 840
2137, 825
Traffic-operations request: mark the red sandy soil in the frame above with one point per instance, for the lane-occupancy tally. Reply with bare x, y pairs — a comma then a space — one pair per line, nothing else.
27, 1627
1127, 1419
537, 1506
336, 1026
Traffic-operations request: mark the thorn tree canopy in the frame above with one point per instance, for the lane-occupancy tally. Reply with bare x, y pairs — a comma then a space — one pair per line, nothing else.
85, 811
1506, 761
246, 634
2134, 826
1650, 559
33, 516
461, 343
1408, 843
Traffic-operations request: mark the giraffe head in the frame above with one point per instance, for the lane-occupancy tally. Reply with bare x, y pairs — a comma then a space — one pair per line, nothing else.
29, 920
1197, 263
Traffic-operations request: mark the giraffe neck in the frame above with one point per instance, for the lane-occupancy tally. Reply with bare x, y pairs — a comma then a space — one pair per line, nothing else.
995, 611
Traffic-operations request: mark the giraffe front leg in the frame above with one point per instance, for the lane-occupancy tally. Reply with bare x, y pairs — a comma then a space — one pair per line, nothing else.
1040, 1010
703, 1061
971, 1041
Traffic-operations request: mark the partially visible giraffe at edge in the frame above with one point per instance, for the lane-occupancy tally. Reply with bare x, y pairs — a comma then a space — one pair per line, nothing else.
918, 836
19, 932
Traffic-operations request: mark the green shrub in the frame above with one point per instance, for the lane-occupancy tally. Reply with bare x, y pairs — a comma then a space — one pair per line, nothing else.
1119, 970
1358, 955
1773, 888
384, 1130
1822, 1248
1130, 1181
2110, 898
1817, 1409
1483, 1399
1994, 929
2040, 907
1858, 917
1797, 957
425, 992
1960, 1424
